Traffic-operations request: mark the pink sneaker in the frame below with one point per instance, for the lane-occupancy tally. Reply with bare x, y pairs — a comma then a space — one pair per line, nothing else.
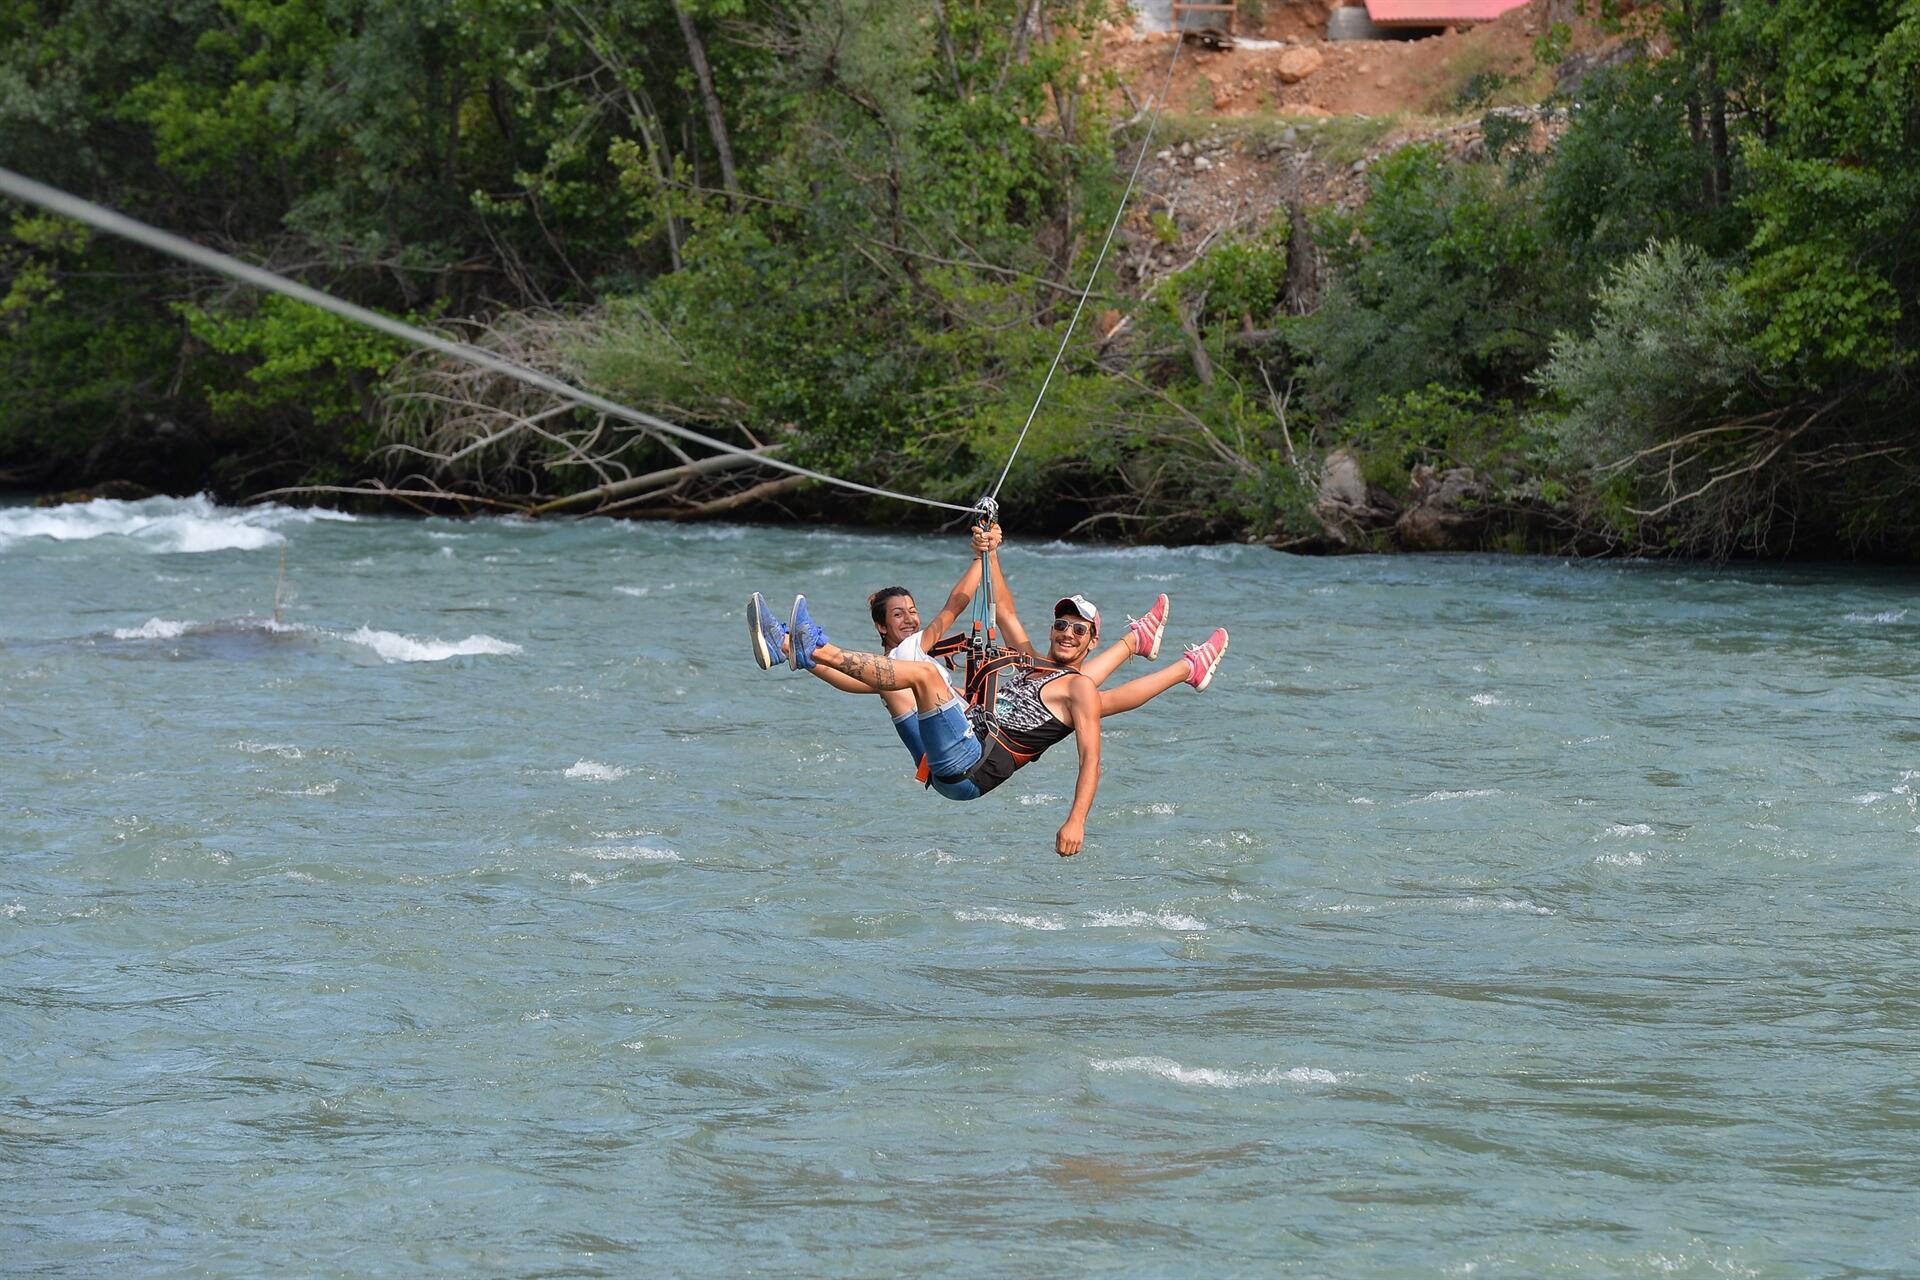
1148, 630
1205, 659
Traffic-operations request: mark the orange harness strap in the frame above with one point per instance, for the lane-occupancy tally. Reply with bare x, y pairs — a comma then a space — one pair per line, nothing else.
985, 663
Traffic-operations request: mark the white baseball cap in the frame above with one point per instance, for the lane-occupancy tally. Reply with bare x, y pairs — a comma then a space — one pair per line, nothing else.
1081, 605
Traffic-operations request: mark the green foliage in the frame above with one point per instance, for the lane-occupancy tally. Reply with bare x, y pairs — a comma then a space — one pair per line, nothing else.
1834, 264
1626, 172
880, 279
1445, 275
1342, 140
1504, 133
78, 366
1440, 427
1242, 278
1668, 350
1479, 90
1828, 317
1550, 46
815, 311
29, 255
295, 357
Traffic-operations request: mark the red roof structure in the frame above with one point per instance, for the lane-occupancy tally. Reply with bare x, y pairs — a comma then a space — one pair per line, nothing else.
1436, 13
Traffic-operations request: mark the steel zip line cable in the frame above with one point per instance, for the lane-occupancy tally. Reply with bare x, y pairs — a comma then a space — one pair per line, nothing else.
26, 189
1146, 142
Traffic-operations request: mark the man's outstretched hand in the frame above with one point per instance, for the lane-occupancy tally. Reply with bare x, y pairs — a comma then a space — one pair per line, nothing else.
1071, 837
987, 539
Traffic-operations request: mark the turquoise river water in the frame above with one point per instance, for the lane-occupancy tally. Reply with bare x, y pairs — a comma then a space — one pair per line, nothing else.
493, 914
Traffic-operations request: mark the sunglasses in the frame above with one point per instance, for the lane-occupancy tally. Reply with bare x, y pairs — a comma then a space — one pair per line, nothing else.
1068, 624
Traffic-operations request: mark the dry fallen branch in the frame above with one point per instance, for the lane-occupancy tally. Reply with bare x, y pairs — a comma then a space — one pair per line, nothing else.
626, 488
406, 496
471, 432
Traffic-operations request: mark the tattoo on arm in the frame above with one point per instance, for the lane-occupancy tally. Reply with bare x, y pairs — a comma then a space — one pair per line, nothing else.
868, 668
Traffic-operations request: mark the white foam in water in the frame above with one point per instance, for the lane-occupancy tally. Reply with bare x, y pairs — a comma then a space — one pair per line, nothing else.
1012, 917
1213, 1077
1090, 551
12, 910
179, 525
280, 749
1485, 700
1502, 904
152, 629
1145, 919
1890, 615
1629, 829
395, 647
636, 853
594, 771
1458, 795
1627, 859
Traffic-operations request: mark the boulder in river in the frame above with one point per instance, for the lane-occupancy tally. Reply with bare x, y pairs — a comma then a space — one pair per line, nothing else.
1446, 511
1348, 507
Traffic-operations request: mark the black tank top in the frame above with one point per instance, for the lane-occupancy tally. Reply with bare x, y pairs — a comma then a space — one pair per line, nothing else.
1020, 727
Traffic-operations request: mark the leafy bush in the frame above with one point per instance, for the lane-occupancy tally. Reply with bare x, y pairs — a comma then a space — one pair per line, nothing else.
1440, 427
1626, 172
1445, 276
1243, 277
1668, 348
293, 357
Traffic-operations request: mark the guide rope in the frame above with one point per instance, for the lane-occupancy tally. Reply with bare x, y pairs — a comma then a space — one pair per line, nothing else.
1145, 143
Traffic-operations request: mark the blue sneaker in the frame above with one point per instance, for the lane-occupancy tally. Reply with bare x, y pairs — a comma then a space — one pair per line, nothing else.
804, 636
768, 633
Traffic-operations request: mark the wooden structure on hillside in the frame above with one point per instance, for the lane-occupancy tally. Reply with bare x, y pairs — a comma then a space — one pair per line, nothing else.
1216, 32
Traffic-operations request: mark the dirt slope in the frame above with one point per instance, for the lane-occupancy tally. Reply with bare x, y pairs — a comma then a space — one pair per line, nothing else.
1289, 119
1355, 77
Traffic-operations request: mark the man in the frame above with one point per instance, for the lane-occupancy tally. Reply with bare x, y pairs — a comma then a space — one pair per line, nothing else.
896, 621
1039, 703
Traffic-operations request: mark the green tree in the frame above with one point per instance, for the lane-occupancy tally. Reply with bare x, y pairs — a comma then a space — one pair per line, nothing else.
1446, 275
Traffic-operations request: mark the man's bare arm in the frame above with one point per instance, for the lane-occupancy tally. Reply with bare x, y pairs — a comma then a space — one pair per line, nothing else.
1083, 713
963, 591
